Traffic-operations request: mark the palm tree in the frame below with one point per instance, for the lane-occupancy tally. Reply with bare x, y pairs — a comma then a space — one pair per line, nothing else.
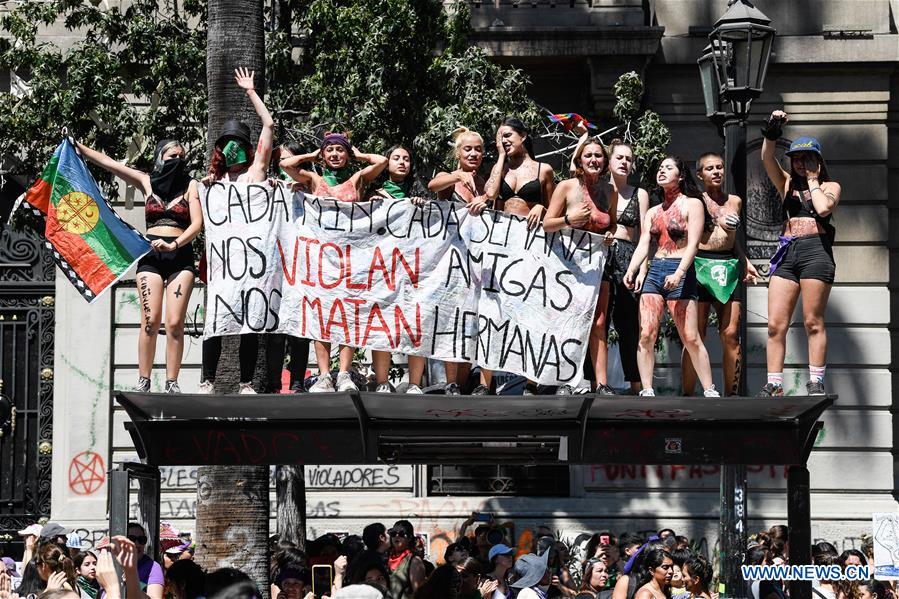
233, 501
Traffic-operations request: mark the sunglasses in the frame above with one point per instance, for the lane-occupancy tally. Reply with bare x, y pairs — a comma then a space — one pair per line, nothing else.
139, 540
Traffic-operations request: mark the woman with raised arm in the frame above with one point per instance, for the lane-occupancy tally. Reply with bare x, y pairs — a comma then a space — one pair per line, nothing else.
233, 159
675, 226
633, 203
397, 185
588, 202
340, 181
464, 185
174, 218
803, 264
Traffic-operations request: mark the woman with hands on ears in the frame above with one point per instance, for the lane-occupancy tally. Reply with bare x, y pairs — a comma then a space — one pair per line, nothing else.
174, 218
676, 227
586, 201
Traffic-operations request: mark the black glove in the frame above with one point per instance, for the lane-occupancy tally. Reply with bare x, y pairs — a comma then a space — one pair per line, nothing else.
773, 128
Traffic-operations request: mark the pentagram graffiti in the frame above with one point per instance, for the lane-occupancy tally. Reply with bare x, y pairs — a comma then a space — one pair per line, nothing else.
87, 473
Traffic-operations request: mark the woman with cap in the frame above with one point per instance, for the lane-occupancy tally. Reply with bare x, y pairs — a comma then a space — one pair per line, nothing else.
803, 264
531, 576
467, 186
398, 184
501, 558
675, 227
586, 201
174, 217
233, 159
338, 180
407, 572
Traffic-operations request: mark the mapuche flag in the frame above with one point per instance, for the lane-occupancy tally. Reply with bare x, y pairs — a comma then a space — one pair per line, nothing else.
91, 244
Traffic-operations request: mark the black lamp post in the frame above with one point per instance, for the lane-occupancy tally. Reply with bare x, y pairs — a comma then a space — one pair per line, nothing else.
732, 69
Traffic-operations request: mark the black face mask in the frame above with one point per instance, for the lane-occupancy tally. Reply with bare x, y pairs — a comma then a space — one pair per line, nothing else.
170, 180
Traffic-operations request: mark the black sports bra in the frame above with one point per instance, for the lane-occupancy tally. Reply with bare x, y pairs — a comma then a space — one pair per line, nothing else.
531, 192
630, 216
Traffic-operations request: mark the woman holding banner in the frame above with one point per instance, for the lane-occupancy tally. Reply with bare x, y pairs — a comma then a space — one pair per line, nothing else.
588, 202
174, 218
233, 159
338, 180
676, 227
464, 185
398, 184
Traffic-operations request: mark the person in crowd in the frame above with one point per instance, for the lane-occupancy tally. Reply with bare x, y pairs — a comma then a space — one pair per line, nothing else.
825, 554
803, 263
233, 159
718, 261
656, 575
873, 589
501, 559
397, 185
631, 547
632, 205
775, 540
532, 576
464, 185
341, 181
245, 589
676, 227
30, 535
697, 574
376, 538
473, 585
218, 580
443, 583
682, 542
10, 569
185, 579
595, 577
586, 201
666, 532
85, 563
455, 554
55, 567
174, 218
679, 557
149, 572
407, 572
31, 583
368, 568
852, 557
58, 594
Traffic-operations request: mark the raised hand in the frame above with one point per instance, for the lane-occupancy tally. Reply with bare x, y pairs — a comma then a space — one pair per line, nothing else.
244, 78
56, 581
106, 574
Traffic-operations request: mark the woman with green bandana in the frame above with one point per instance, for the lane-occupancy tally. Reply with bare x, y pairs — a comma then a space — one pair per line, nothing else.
338, 180
233, 159
398, 184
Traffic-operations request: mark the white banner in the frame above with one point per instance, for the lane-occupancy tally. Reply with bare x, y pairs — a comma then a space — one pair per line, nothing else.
389, 275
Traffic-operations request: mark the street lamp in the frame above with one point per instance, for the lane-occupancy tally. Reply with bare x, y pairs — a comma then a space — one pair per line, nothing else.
732, 69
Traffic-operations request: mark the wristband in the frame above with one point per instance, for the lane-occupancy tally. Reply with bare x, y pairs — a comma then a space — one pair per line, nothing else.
567, 222
177, 247
814, 189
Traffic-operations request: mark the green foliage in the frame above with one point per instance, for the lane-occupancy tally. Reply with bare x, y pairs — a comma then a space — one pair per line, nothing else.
136, 75
644, 131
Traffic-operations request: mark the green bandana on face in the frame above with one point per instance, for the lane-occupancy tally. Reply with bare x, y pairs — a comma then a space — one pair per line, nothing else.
396, 190
234, 153
337, 177
718, 276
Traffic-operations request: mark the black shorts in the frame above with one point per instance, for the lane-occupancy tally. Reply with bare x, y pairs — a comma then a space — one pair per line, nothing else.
808, 257
167, 264
618, 259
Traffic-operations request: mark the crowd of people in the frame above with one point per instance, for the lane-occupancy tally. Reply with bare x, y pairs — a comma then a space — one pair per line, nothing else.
392, 563
675, 247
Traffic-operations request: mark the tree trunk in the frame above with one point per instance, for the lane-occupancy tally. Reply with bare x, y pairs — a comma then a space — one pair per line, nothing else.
233, 502
290, 482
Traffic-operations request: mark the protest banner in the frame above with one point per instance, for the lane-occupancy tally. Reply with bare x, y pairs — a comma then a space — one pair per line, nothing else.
431, 280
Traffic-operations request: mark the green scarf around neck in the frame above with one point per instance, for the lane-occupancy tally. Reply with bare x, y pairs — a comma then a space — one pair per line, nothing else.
337, 177
397, 190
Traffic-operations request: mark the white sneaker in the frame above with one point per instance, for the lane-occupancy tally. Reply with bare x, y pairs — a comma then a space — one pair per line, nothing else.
345, 382
647, 392
324, 384
205, 388
383, 388
414, 389
246, 389
711, 392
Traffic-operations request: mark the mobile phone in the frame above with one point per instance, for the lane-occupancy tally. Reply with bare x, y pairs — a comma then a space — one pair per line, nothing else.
322, 579
483, 517
604, 540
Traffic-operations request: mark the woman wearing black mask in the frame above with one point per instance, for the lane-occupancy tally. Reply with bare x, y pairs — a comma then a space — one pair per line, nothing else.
174, 218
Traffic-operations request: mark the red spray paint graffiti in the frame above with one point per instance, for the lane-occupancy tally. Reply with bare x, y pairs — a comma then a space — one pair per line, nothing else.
87, 473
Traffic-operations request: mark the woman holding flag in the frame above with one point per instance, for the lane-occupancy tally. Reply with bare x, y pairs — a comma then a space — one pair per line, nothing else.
174, 218
233, 159
338, 180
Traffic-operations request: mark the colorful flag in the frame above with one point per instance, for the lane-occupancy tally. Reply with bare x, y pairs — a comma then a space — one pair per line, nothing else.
569, 120
92, 245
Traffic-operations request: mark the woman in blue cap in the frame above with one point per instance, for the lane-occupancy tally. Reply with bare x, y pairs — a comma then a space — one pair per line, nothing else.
233, 159
803, 264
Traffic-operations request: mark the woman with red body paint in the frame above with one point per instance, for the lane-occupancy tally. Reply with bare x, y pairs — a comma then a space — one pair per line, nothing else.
676, 225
